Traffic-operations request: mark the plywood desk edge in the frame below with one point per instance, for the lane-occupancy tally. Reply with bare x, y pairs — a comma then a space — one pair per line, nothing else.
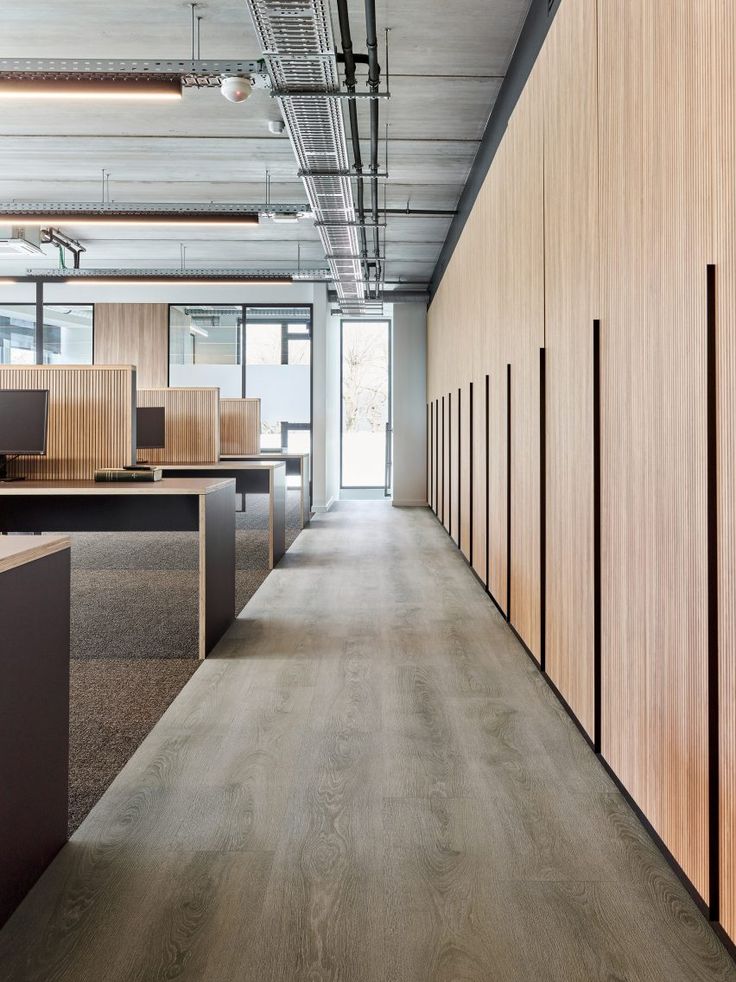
17, 550
225, 463
173, 486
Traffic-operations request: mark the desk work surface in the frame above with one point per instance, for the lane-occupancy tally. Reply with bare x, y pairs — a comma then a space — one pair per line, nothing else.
171, 485
16, 550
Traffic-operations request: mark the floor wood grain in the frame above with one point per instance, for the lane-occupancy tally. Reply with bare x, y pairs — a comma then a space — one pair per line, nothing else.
368, 782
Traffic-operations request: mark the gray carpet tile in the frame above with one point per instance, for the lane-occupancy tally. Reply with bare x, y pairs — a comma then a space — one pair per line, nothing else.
114, 704
134, 635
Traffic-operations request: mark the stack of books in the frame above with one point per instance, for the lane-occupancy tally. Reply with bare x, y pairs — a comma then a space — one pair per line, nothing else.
138, 473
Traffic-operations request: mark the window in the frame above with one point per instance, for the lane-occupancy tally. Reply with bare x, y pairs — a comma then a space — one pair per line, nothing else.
205, 348
259, 352
278, 371
68, 331
366, 403
67, 334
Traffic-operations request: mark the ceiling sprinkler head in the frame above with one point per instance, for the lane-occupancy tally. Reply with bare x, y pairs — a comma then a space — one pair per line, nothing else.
235, 88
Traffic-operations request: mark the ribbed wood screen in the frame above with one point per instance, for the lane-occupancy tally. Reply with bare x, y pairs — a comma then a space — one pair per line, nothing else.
90, 422
192, 425
240, 426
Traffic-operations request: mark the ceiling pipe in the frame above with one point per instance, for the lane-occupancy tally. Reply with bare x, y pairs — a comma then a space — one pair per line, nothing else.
350, 61
374, 77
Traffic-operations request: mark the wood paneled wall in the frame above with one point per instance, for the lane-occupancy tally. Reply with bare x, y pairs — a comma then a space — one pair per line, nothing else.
192, 425
724, 110
610, 194
570, 65
90, 423
655, 223
240, 426
136, 334
525, 326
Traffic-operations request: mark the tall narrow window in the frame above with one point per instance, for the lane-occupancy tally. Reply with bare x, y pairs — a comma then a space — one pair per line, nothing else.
366, 403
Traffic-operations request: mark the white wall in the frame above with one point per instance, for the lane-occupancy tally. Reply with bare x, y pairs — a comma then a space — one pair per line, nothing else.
410, 403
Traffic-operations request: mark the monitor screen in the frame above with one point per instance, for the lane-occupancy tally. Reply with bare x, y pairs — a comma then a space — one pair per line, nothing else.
23, 421
150, 428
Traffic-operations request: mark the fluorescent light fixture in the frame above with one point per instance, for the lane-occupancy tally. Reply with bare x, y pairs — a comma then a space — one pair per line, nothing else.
7, 282
127, 218
116, 88
193, 329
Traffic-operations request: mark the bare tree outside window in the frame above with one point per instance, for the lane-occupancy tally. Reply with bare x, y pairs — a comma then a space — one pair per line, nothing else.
365, 402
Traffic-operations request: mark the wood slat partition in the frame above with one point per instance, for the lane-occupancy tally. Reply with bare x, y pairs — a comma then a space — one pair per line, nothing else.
192, 425
136, 334
90, 422
571, 304
240, 426
654, 114
724, 113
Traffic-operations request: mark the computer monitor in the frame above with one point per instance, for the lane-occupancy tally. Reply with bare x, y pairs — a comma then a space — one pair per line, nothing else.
150, 427
24, 417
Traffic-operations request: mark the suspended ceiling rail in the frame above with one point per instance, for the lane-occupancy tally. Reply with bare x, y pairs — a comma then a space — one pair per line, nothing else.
193, 73
298, 48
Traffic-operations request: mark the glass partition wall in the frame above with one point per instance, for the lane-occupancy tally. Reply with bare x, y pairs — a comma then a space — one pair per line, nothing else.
262, 352
67, 339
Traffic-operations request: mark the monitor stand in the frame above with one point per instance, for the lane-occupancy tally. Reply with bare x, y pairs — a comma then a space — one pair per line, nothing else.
4, 478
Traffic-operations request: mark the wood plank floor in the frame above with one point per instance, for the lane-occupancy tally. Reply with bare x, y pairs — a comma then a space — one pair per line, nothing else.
370, 782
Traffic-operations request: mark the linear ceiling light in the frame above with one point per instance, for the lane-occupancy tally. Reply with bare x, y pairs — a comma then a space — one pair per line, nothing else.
129, 218
159, 279
90, 87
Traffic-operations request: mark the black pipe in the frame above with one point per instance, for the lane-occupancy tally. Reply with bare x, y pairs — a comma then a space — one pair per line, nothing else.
358, 58
421, 212
374, 77
349, 59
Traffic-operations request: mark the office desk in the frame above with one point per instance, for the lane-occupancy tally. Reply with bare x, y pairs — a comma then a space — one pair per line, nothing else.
296, 463
251, 477
177, 505
34, 710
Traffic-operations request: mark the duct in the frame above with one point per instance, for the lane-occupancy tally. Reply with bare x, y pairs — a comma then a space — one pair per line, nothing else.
298, 49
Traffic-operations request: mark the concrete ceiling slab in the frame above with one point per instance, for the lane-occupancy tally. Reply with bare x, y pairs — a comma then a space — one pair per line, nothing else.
447, 62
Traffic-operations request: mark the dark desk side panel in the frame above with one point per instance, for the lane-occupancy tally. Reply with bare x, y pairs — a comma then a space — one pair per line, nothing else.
34, 722
90, 512
219, 564
246, 482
